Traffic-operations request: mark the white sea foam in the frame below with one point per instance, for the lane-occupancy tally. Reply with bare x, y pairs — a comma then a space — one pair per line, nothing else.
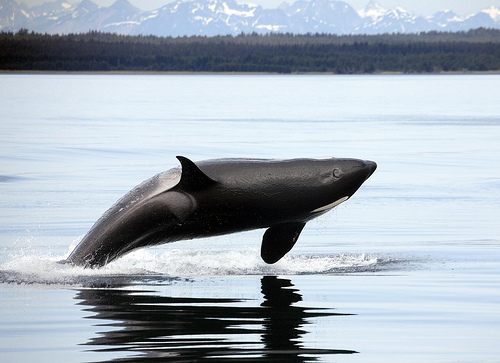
184, 263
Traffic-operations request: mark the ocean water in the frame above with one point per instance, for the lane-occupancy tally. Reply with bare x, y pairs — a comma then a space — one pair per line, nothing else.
407, 270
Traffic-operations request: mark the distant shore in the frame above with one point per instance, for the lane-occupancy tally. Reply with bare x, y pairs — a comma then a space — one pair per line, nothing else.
185, 73
473, 52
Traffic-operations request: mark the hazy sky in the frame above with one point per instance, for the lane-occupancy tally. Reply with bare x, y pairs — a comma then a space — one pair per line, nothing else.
420, 7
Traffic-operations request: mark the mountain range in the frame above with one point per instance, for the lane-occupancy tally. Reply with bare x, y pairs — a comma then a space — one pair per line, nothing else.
223, 17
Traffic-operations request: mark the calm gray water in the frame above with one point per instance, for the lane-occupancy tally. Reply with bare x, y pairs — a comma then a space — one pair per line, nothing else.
407, 270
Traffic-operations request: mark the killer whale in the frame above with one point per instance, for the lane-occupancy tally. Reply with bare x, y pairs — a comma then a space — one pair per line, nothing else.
221, 196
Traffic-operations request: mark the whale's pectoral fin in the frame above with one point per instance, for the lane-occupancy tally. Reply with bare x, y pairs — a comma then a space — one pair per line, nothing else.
192, 178
278, 240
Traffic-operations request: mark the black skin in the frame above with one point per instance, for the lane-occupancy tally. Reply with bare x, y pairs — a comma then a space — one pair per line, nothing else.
216, 197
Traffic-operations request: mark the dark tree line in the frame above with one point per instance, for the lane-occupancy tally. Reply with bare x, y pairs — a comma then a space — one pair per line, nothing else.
475, 50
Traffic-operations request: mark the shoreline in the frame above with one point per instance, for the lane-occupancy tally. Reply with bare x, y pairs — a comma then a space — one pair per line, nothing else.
188, 73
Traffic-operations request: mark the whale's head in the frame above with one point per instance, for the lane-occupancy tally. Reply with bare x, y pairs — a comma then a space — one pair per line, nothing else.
338, 179
314, 188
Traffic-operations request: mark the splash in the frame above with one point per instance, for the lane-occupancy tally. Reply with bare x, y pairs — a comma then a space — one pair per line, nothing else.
185, 263
200, 263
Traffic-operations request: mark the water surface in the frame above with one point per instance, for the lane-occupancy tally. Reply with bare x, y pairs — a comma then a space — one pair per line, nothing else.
407, 270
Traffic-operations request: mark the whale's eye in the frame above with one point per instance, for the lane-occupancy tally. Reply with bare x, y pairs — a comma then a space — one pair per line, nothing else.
337, 173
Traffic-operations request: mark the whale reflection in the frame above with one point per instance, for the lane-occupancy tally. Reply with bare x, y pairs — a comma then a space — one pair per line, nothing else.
143, 325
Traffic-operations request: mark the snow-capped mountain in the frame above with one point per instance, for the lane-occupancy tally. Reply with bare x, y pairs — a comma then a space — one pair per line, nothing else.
377, 19
13, 16
202, 17
49, 8
445, 19
322, 16
221, 17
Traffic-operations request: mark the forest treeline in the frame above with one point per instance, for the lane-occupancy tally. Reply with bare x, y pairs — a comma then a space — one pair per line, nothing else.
474, 50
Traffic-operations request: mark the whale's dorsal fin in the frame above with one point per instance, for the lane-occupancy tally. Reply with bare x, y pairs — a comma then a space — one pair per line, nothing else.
192, 178
279, 239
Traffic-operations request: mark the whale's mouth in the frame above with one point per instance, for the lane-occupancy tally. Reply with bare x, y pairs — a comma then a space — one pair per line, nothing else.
331, 205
